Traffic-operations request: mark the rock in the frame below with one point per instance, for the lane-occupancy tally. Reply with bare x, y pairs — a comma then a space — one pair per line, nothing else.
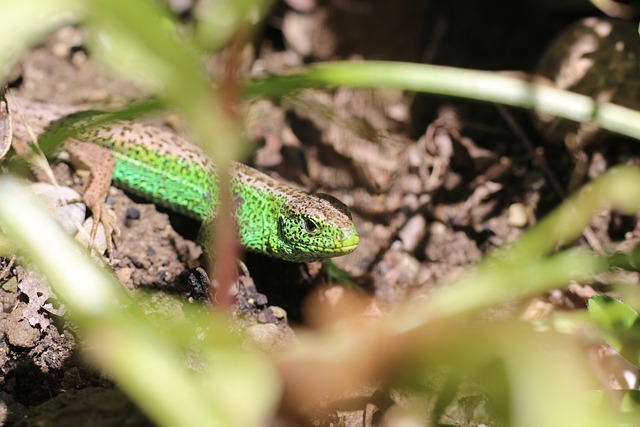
278, 312
297, 29
18, 330
69, 216
4, 412
305, 6
597, 57
518, 215
100, 241
413, 232
265, 336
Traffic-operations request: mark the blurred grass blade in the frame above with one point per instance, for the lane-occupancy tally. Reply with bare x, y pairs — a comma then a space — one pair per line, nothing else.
80, 283
620, 325
627, 261
217, 21
24, 23
630, 402
140, 40
524, 268
146, 360
76, 124
611, 314
550, 380
478, 85
245, 381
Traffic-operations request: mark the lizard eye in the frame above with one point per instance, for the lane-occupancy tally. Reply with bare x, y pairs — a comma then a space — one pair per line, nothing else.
309, 226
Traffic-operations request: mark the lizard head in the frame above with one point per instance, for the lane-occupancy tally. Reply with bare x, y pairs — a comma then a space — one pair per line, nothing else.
316, 226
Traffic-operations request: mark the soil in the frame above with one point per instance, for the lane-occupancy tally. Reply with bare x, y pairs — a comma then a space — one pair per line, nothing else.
433, 183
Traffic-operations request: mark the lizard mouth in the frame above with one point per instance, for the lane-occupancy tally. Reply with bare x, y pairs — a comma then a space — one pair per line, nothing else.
346, 249
343, 248
348, 245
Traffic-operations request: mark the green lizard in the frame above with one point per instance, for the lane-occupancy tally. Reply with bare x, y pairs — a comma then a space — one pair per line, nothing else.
272, 218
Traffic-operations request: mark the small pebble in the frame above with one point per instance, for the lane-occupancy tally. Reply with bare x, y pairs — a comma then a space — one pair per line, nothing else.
97, 95
124, 274
334, 295
260, 300
136, 262
517, 216
4, 413
78, 57
413, 232
304, 6
164, 277
132, 213
266, 316
67, 42
18, 330
297, 28
10, 285
437, 229
99, 243
537, 309
60, 50
278, 312
68, 216
265, 336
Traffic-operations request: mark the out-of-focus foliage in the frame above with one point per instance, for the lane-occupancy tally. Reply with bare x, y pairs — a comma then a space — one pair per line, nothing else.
544, 377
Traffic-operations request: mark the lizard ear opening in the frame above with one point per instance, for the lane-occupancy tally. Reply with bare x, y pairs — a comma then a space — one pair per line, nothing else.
282, 227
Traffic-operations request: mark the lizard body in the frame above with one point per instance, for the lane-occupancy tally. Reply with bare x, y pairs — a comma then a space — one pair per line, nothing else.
272, 218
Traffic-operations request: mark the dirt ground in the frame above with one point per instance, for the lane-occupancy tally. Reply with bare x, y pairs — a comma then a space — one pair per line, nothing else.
433, 183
